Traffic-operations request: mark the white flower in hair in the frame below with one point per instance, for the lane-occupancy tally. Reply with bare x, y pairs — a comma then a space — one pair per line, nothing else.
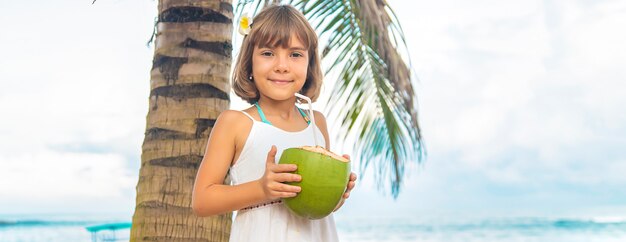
245, 21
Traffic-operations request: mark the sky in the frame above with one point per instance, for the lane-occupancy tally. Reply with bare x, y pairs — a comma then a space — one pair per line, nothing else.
520, 104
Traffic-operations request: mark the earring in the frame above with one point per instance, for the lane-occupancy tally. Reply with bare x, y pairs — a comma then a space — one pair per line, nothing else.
250, 77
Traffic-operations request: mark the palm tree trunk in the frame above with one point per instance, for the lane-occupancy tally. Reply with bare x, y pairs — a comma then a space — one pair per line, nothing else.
189, 88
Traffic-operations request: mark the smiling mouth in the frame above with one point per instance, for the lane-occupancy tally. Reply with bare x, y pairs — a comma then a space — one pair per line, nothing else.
281, 82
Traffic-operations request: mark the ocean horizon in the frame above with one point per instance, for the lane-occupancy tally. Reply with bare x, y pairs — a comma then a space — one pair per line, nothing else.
35, 228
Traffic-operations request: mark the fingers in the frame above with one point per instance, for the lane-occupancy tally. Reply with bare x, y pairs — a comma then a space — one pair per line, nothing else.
351, 182
277, 194
350, 186
352, 176
285, 177
284, 188
346, 156
271, 155
273, 181
347, 193
286, 194
281, 190
272, 166
278, 168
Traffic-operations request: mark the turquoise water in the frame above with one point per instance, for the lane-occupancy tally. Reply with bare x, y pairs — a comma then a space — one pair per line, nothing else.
483, 229
72, 228
57, 228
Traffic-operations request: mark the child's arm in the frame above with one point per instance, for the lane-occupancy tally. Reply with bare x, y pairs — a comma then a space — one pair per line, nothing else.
212, 197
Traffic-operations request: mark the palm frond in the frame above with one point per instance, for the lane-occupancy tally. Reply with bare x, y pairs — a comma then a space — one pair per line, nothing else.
374, 96
243, 4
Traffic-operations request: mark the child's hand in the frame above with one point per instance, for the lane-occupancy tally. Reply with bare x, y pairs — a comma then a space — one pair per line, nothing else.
351, 182
349, 187
275, 175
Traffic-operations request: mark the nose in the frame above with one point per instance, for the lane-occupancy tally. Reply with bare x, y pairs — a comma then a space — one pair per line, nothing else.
282, 64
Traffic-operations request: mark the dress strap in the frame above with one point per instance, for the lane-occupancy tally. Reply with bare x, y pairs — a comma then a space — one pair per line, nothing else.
263, 119
249, 116
306, 118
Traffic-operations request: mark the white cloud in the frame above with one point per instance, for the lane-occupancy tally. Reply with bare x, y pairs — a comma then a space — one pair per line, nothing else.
48, 175
74, 99
535, 79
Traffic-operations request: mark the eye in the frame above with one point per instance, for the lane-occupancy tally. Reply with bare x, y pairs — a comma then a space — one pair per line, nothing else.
267, 53
297, 54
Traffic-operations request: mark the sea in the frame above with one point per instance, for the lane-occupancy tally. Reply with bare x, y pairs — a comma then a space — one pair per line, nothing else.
72, 228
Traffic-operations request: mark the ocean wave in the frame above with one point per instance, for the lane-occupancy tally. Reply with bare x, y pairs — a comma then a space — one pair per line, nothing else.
32, 223
528, 224
542, 224
590, 223
478, 224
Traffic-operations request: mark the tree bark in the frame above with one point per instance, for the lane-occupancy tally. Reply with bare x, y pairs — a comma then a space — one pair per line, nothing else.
189, 88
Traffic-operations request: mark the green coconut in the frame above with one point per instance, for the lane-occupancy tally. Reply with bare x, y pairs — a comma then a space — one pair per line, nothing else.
324, 179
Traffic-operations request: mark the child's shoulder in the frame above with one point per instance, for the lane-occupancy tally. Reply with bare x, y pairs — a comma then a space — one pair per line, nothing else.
232, 118
320, 119
232, 115
317, 114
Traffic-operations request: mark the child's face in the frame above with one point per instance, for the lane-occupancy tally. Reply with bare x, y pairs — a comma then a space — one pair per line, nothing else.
280, 72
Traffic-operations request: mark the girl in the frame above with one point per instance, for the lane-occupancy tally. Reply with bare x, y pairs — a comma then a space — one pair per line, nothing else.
278, 58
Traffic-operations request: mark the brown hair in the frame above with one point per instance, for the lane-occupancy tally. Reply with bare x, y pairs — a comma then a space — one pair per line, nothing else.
273, 26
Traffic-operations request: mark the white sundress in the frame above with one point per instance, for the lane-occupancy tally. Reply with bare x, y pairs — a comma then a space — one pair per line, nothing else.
274, 222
